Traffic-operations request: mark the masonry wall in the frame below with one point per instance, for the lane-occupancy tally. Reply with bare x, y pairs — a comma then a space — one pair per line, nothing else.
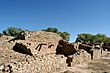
97, 53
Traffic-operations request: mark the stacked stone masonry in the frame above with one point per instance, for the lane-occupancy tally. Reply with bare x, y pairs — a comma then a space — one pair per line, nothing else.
44, 52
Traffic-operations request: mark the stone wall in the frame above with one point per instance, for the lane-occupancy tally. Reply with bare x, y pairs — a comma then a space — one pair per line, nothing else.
43, 52
78, 58
27, 64
34, 54
97, 53
39, 41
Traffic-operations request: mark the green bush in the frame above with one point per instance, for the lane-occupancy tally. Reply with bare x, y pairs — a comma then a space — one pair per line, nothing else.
64, 35
98, 38
12, 31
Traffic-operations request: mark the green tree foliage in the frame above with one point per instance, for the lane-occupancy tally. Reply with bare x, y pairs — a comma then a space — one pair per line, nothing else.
1, 34
98, 38
55, 30
64, 35
12, 31
84, 38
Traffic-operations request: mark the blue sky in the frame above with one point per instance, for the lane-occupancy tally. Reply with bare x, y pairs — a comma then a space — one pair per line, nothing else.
73, 16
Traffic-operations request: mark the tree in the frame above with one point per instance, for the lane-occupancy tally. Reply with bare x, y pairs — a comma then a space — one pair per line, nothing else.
12, 31
84, 38
55, 30
64, 35
1, 34
107, 40
98, 38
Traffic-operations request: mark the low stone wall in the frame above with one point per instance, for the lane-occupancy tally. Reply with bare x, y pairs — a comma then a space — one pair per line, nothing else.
97, 54
79, 58
38, 64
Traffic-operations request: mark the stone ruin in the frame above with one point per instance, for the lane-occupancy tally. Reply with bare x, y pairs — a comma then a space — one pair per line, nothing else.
45, 52
40, 41
31, 52
79, 52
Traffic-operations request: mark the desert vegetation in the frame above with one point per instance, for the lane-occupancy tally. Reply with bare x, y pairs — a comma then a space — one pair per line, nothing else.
98, 38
